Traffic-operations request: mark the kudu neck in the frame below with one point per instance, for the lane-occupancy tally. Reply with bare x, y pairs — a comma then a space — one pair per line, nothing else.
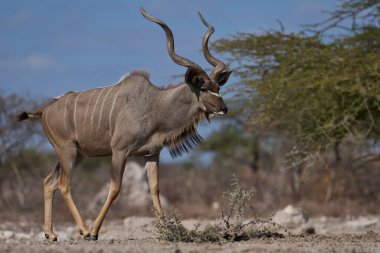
180, 103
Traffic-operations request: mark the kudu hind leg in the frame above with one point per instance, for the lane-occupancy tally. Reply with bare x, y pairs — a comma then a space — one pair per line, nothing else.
69, 159
50, 186
118, 164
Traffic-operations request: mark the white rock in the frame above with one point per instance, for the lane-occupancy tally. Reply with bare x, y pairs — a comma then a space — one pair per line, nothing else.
215, 206
134, 192
362, 222
6, 234
290, 217
22, 236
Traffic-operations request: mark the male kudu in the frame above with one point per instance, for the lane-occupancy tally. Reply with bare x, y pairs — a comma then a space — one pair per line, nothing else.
130, 118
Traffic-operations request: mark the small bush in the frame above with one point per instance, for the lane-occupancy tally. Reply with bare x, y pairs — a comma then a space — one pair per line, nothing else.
171, 229
232, 227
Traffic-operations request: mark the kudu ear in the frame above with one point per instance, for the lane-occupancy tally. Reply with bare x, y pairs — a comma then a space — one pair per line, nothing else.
222, 77
193, 78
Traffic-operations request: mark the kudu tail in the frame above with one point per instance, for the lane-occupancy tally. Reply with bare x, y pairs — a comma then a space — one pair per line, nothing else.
37, 114
29, 115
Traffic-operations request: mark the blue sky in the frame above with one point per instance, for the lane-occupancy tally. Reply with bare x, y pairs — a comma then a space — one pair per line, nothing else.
48, 47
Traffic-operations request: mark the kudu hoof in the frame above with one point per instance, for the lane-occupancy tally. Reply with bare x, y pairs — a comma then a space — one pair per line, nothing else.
91, 237
84, 234
52, 238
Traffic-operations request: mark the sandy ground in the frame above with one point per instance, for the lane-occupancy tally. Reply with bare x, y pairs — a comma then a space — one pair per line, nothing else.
134, 234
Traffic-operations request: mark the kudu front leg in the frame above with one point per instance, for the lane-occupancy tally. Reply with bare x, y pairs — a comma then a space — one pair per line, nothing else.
118, 164
151, 168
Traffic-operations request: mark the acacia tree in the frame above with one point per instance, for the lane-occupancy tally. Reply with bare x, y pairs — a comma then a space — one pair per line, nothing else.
316, 87
319, 89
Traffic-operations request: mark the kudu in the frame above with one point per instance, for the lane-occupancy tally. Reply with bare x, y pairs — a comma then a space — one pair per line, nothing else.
130, 118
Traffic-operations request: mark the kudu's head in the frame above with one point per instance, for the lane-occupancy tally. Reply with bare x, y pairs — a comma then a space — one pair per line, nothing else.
206, 87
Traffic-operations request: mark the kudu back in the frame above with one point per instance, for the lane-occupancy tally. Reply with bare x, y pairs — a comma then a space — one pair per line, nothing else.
130, 118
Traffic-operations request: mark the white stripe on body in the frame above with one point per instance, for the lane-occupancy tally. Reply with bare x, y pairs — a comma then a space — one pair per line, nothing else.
113, 105
65, 114
101, 109
88, 105
46, 120
93, 111
75, 116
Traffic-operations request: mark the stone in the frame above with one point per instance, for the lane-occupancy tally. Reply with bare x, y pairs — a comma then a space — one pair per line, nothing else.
363, 222
290, 217
134, 191
6, 234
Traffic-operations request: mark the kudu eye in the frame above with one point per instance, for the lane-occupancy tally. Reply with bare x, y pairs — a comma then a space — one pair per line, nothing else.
201, 82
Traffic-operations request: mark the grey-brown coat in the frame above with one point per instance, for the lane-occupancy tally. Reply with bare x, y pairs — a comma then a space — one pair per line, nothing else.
132, 117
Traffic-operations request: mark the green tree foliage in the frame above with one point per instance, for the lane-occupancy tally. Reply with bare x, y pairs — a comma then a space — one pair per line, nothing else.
316, 87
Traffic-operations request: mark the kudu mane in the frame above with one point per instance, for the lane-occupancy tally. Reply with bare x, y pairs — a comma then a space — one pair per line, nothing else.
180, 140
183, 139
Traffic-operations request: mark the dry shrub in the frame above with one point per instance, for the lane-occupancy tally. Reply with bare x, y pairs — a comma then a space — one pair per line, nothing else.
232, 226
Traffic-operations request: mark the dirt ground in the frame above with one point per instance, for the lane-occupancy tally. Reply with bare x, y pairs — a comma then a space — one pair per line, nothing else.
134, 234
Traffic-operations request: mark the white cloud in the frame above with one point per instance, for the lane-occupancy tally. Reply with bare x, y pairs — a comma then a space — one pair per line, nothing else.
33, 62
36, 62
17, 19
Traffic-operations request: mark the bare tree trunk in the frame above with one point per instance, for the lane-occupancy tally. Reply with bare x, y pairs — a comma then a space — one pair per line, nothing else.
337, 153
255, 163
332, 173
331, 186
256, 153
20, 184
294, 176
